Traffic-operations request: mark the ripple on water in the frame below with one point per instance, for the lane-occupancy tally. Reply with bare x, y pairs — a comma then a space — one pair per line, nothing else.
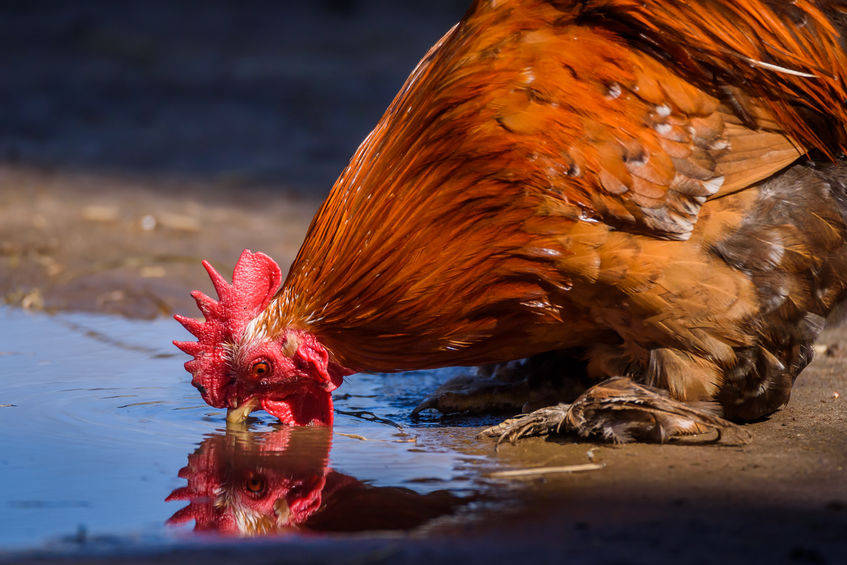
101, 425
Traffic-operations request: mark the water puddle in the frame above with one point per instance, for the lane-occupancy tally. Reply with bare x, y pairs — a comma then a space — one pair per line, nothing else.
104, 441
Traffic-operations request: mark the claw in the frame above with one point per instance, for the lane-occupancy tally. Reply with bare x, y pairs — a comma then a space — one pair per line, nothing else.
618, 410
539, 423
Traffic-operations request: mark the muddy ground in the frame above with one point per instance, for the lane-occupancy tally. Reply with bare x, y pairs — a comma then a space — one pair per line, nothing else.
135, 142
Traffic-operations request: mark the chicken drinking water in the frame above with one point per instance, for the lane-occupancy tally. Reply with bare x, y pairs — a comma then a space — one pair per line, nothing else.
648, 195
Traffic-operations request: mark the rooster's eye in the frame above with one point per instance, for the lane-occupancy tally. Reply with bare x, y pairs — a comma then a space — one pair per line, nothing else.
260, 369
255, 484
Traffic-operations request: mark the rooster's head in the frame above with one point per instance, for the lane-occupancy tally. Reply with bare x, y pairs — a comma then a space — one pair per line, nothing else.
237, 366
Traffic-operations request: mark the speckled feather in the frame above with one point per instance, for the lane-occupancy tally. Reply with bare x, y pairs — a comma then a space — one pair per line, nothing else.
585, 174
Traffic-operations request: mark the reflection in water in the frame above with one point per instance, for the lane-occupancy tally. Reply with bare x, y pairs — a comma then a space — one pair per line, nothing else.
258, 483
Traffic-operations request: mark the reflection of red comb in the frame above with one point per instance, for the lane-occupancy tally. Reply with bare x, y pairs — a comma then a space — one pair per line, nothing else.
256, 484
255, 280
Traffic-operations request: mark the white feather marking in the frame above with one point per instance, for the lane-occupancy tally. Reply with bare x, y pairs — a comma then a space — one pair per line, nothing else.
254, 330
614, 91
777, 68
714, 184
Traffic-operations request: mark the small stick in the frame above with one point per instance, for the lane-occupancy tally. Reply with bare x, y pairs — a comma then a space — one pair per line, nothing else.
548, 470
354, 436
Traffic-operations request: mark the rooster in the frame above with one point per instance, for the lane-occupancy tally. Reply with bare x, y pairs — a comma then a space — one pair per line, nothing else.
653, 188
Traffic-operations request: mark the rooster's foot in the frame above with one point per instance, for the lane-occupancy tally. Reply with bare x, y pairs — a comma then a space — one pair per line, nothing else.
542, 422
619, 410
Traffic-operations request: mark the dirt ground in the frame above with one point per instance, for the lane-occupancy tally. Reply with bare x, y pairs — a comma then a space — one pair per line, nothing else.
105, 243
107, 206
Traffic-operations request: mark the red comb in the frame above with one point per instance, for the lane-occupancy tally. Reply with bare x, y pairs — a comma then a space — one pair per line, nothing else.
255, 280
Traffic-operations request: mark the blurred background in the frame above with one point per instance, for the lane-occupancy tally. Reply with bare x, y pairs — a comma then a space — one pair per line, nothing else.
137, 138
271, 91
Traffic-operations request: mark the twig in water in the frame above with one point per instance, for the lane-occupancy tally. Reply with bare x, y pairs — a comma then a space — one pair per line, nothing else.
354, 436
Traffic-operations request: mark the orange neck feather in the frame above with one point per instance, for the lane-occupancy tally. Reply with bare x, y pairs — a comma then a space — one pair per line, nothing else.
429, 249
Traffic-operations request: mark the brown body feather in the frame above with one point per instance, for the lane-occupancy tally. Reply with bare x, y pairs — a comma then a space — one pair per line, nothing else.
599, 174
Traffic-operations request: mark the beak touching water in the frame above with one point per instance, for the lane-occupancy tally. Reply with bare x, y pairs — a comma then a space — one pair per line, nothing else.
238, 414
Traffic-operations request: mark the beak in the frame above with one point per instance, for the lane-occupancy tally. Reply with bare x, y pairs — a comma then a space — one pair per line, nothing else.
237, 414
282, 511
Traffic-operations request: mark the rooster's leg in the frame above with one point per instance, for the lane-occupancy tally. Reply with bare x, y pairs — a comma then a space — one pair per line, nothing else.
618, 410
513, 386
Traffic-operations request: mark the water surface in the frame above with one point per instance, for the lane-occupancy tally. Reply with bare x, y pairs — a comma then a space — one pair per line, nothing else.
101, 426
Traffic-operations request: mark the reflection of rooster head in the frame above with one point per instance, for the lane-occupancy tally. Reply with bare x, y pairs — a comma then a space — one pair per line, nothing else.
254, 484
